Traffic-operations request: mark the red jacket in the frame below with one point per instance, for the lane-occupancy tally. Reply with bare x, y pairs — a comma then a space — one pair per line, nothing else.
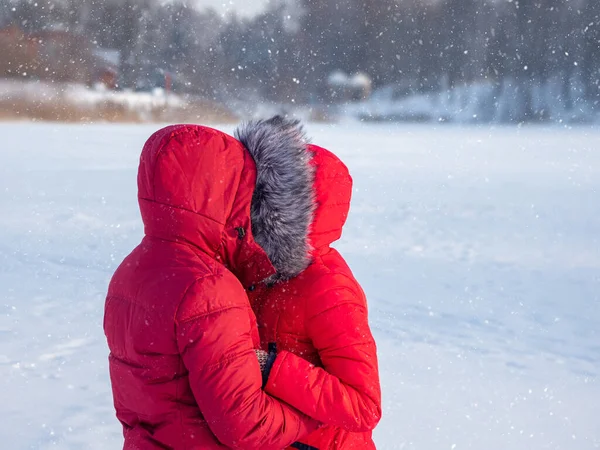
321, 316
177, 319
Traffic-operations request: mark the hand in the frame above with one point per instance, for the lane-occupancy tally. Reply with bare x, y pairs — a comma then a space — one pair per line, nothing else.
266, 361
262, 357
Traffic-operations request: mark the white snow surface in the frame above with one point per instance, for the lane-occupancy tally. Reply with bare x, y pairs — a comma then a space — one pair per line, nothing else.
478, 249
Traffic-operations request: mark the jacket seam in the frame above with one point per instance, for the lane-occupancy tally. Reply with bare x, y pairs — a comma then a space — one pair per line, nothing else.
177, 398
347, 277
128, 300
151, 143
198, 252
174, 133
124, 361
354, 300
209, 313
182, 209
337, 305
297, 429
224, 361
185, 293
320, 395
158, 154
306, 304
354, 344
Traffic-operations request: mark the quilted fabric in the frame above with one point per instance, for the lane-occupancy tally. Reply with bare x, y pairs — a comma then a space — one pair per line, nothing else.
177, 319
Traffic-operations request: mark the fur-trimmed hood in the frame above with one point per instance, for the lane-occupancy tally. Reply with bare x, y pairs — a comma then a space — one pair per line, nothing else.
283, 202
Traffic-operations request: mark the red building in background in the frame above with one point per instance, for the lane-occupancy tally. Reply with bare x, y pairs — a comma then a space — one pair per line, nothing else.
56, 55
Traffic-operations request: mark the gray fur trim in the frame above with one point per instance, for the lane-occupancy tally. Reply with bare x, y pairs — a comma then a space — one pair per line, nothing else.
283, 201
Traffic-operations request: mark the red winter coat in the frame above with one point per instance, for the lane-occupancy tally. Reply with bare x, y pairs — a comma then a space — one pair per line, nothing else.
321, 316
177, 319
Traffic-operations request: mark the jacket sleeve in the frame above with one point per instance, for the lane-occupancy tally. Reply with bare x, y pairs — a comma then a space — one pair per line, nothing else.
214, 337
346, 391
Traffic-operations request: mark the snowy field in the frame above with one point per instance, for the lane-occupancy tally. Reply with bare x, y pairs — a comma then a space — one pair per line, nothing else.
478, 248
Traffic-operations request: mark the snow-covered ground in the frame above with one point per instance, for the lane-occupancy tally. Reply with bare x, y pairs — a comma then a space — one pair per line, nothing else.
478, 248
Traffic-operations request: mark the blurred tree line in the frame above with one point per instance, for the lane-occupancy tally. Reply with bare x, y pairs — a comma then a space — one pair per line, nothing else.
287, 52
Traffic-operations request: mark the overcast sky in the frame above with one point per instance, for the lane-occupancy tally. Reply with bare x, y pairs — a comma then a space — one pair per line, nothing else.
242, 7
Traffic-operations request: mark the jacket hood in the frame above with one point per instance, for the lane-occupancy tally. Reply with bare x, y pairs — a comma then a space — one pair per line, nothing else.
302, 195
283, 200
195, 186
333, 192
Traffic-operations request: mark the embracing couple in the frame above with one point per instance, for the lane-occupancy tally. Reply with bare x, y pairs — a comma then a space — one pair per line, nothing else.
234, 324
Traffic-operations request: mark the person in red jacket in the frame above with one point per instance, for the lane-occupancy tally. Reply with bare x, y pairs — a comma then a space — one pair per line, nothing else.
313, 309
178, 322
